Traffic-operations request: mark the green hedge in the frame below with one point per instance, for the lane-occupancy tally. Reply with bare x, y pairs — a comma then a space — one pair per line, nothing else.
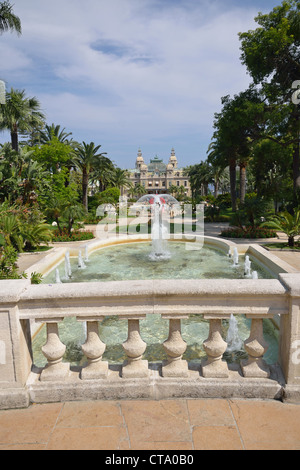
76, 236
249, 232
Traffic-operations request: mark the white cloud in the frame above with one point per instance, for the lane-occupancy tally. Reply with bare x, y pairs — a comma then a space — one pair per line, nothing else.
128, 68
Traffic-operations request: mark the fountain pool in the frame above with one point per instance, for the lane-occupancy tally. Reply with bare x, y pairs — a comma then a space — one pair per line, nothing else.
132, 261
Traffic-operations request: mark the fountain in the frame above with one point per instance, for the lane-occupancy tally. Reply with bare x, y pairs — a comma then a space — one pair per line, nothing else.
159, 233
247, 265
131, 260
159, 258
233, 339
86, 254
81, 264
68, 270
57, 277
235, 257
254, 275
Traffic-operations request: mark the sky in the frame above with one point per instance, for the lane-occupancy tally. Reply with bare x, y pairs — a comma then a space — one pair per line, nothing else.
130, 74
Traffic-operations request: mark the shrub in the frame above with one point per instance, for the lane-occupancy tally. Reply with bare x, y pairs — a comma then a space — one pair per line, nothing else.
248, 232
75, 236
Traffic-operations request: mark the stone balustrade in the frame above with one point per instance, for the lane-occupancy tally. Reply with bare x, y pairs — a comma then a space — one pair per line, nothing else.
21, 304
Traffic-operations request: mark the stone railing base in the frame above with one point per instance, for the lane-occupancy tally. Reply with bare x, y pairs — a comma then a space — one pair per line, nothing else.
13, 398
153, 387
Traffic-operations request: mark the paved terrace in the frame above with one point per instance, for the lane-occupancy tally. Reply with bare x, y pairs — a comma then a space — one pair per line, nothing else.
181, 424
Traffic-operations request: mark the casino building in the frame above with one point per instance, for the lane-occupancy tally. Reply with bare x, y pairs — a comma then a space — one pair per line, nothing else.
158, 177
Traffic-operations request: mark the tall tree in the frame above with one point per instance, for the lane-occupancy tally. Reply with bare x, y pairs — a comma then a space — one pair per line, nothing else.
86, 159
8, 20
19, 114
272, 56
240, 122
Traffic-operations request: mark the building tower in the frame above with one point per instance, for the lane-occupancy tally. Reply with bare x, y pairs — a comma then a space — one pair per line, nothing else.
173, 159
139, 161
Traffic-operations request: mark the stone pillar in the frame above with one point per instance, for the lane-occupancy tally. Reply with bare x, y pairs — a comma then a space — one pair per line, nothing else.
134, 347
214, 347
54, 350
289, 347
256, 347
175, 347
94, 349
15, 346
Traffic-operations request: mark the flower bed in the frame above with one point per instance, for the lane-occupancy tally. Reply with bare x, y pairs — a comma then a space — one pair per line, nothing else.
75, 236
248, 232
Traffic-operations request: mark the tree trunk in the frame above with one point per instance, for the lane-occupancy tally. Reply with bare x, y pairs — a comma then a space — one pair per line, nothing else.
242, 182
296, 168
14, 139
291, 242
216, 187
232, 172
85, 184
296, 161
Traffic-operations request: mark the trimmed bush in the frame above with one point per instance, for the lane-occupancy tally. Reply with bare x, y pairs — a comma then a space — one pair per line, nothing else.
76, 236
248, 232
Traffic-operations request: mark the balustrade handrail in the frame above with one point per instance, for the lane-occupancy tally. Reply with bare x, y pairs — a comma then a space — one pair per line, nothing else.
167, 297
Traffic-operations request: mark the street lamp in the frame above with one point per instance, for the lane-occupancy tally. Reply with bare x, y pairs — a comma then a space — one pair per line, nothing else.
2, 92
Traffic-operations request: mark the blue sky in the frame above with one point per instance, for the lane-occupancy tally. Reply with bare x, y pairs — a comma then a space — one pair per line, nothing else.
131, 73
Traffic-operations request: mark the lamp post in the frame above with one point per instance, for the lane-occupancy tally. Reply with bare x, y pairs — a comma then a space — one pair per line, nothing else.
2, 92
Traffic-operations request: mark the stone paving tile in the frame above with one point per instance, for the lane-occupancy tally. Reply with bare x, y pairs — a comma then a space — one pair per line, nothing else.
90, 414
89, 438
155, 422
30, 426
267, 425
214, 412
216, 438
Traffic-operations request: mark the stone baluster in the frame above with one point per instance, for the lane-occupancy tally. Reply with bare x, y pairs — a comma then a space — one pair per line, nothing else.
175, 347
54, 350
214, 347
94, 349
134, 349
256, 347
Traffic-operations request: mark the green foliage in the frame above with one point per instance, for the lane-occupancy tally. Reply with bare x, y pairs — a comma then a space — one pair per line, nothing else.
8, 20
109, 196
54, 155
286, 223
23, 228
248, 232
36, 278
8, 263
19, 115
74, 236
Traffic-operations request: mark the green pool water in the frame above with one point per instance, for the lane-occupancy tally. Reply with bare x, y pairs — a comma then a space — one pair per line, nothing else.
132, 262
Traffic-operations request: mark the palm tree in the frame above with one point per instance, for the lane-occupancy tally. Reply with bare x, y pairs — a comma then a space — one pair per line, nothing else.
120, 179
140, 190
19, 115
8, 20
173, 189
286, 223
86, 160
103, 172
54, 131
